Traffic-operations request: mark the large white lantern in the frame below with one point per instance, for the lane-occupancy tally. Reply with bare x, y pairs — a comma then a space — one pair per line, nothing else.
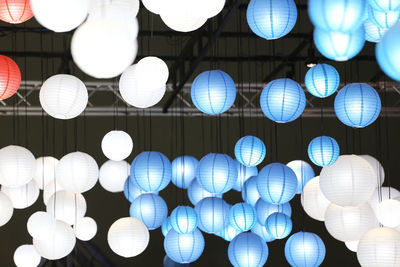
50, 189
85, 229
45, 171
352, 245
128, 237
349, 181
23, 196
381, 194
60, 15
77, 172
388, 213
313, 200
113, 174
6, 209
41, 225
17, 166
152, 71
26, 256
117, 145
63, 96
377, 167
67, 207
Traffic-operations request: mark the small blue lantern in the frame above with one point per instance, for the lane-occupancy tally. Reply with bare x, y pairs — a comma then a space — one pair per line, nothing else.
305, 249
228, 233
385, 5
249, 191
212, 214
388, 53
150, 209
262, 232
247, 250
357, 105
304, 173
167, 262
383, 19
323, 151
373, 33
244, 173
183, 219
283, 100
166, 226
279, 225
184, 171
250, 151
322, 80
131, 190
197, 193
265, 209
242, 216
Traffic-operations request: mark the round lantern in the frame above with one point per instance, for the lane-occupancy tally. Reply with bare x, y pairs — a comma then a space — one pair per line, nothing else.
152, 71
217, 173
213, 92
212, 214
183, 219
244, 173
323, 151
373, 33
379, 247
128, 237
67, 207
184, 171
242, 216
17, 166
271, 19
60, 15
357, 105
304, 173
85, 229
262, 232
322, 80
23, 196
15, 11
166, 226
149, 208
249, 191
197, 193
50, 189
283, 100
247, 250
132, 190
279, 225
6, 209
265, 209
383, 19
26, 255
388, 53
339, 46
228, 233
276, 183
45, 171
184, 248
352, 245
182, 21
113, 174
381, 194
305, 249
167, 262
117, 145
10, 75
384, 5
250, 151
377, 167
388, 213
313, 200
41, 225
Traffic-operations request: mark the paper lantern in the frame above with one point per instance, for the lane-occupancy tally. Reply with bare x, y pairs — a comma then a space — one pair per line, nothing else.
77, 172
85, 229
388, 213
166, 226
242, 216
15, 11
352, 245
382, 194
383, 19
183, 219
322, 80
304, 173
10, 76
279, 225
249, 191
313, 200
388, 54
197, 193
377, 167
247, 250
323, 151
153, 71
117, 145
151, 171
212, 214
337, 16
384, 5
50, 189
244, 173
209, 8
45, 171
41, 225
6, 209
379, 247
26, 256
67, 207
265, 209
213, 92
305, 249
250, 151
373, 33
184, 171
349, 223
283, 100
228, 233
339, 46
17, 166
217, 173
113, 174
350, 181
357, 105
184, 248
167, 262
22, 197
262, 232
128, 237
276, 183
132, 190
150, 209
271, 19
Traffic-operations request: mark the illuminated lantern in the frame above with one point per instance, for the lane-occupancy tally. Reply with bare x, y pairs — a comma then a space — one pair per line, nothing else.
23, 196
279, 225
247, 250
242, 216
250, 151
15, 11
305, 249
26, 255
304, 173
322, 80
372, 32
150, 209
184, 248
117, 145
313, 200
184, 171
323, 151
212, 214
183, 219
10, 77
383, 19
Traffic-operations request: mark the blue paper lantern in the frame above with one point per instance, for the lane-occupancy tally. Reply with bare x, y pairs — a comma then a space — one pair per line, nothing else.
213, 92
262, 232
217, 173
322, 80
197, 193
388, 53
276, 183
131, 190
323, 151
304, 173
244, 173
385, 5
279, 225
151, 171
373, 33
166, 226
183, 219
283, 100
265, 209
247, 250
150, 209
184, 248
305, 249
339, 46
184, 171
337, 15
167, 262
250, 151
228, 233
212, 214
249, 191
357, 105
383, 19
242, 216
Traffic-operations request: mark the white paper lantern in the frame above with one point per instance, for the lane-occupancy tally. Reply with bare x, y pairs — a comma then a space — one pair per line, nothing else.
67, 207
113, 174
388, 213
349, 181
17, 166
128, 237
381, 194
349, 223
23, 196
377, 167
85, 229
45, 171
60, 15
153, 71
352, 245
182, 22
379, 247
77, 172
313, 200
26, 256
50, 189
59, 244
63, 96
41, 225
117, 145
6, 209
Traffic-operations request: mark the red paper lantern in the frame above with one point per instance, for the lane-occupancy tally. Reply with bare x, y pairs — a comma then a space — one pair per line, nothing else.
15, 11
10, 77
